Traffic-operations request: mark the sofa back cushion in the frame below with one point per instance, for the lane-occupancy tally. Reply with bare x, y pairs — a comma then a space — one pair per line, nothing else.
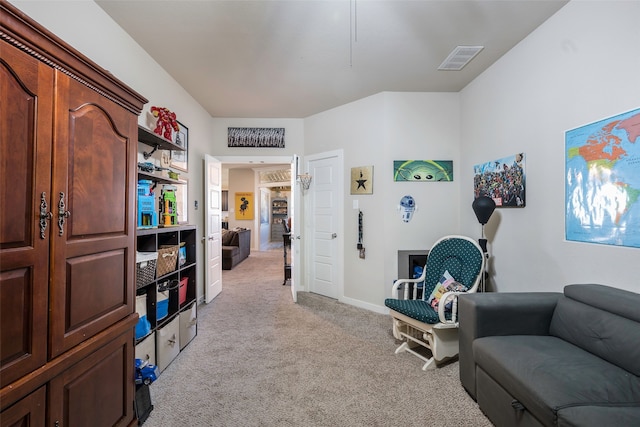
228, 237
602, 320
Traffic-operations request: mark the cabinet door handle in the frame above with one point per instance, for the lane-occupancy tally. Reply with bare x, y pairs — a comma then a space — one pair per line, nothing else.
44, 215
62, 213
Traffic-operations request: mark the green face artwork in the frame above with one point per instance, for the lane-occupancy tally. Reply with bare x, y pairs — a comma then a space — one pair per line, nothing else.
423, 170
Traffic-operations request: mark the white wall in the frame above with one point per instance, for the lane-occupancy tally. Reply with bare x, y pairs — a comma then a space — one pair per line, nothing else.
578, 67
375, 131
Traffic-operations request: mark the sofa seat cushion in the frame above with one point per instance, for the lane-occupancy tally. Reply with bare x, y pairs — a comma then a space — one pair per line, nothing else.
613, 415
230, 251
414, 308
547, 374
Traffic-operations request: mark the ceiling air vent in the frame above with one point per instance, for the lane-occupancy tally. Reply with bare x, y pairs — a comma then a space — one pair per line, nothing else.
459, 57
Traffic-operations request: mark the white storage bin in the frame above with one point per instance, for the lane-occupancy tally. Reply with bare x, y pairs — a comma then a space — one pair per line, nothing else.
146, 349
188, 325
168, 343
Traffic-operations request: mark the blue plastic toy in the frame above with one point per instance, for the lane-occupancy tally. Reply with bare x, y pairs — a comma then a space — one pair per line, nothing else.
146, 373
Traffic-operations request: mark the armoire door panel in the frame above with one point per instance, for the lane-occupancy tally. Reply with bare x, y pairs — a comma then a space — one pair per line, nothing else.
93, 289
93, 296
18, 158
29, 411
93, 246
98, 390
98, 185
25, 172
92, 156
23, 346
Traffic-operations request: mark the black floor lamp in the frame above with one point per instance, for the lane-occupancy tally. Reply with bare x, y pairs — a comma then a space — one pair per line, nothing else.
483, 207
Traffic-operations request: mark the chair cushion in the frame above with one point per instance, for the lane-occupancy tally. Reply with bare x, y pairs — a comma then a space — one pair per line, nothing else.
416, 309
460, 257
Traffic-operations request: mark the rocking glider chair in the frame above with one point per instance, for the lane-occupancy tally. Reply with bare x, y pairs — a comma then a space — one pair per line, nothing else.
455, 265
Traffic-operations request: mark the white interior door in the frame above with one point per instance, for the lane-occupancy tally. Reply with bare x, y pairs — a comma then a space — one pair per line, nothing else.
212, 226
324, 223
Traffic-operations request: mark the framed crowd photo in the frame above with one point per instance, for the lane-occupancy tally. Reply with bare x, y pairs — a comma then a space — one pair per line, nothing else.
180, 159
503, 180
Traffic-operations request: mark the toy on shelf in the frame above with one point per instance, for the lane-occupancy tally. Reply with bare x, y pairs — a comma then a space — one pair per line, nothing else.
168, 206
150, 168
166, 122
147, 215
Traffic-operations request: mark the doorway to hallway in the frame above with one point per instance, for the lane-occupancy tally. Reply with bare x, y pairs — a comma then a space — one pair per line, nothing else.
269, 180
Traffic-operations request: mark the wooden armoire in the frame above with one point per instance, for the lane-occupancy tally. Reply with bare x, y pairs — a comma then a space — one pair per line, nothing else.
68, 143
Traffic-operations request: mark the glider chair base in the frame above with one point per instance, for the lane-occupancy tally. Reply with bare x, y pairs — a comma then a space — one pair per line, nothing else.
440, 339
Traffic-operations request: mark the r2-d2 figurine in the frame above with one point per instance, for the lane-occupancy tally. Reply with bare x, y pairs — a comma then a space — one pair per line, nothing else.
407, 207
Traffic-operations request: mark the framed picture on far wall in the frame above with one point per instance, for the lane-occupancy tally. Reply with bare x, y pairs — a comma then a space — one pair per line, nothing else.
503, 180
244, 206
180, 159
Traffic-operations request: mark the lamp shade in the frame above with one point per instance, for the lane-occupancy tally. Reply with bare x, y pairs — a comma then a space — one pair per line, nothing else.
483, 207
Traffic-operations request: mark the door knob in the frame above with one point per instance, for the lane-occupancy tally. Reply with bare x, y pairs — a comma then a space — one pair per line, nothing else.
334, 236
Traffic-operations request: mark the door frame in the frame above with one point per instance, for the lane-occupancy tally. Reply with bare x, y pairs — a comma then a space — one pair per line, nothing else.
262, 161
339, 220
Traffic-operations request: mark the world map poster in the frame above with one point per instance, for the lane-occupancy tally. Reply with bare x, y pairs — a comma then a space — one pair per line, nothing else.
603, 181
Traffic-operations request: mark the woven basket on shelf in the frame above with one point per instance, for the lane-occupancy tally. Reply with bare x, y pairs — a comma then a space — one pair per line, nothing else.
167, 259
145, 268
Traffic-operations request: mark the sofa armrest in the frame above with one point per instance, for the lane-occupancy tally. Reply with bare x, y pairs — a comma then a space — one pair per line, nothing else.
244, 242
488, 314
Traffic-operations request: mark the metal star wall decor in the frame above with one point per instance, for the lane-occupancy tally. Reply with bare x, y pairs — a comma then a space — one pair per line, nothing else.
362, 180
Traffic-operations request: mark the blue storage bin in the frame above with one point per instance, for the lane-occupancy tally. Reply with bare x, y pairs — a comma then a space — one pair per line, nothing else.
143, 327
162, 305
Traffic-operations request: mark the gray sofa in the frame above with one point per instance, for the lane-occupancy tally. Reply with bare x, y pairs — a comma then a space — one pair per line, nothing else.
236, 247
553, 359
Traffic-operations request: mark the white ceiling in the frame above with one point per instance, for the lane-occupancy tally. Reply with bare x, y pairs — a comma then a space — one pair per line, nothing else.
296, 58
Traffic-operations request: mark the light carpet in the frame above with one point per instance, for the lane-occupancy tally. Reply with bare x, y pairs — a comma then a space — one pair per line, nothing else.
261, 360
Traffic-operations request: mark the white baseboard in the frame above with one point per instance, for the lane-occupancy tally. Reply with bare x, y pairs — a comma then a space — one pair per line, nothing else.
367, 306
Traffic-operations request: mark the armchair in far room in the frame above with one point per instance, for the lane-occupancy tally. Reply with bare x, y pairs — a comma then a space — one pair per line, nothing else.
454, 266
